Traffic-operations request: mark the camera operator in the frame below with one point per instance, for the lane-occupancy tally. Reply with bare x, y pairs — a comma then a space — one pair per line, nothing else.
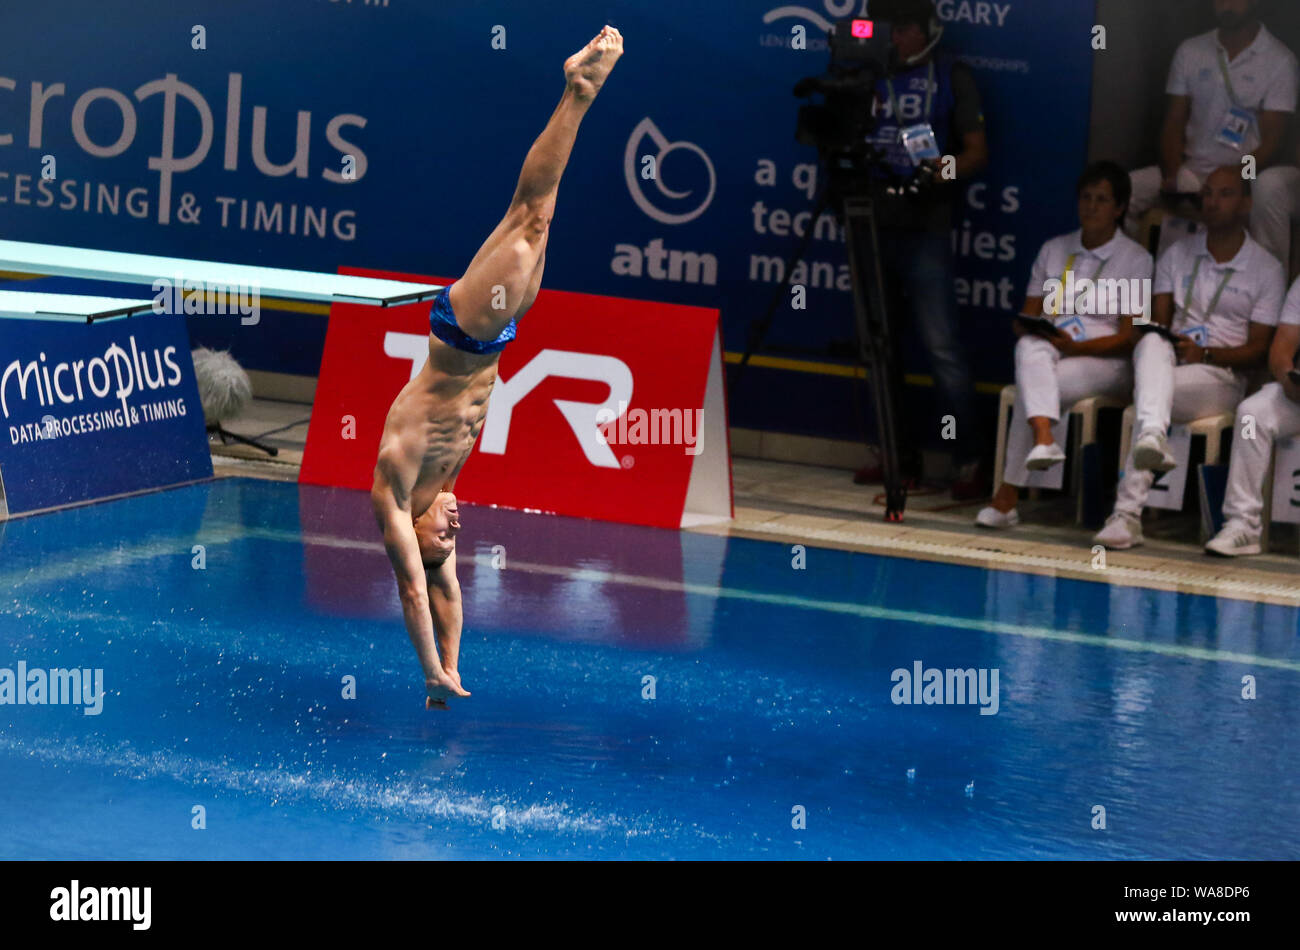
928, 108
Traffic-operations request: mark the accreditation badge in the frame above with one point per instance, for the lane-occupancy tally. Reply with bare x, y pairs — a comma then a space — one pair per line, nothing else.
1074, 327
1235, 127
920, 142
1199, 335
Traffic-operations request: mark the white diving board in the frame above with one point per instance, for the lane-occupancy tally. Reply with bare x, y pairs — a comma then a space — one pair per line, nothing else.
56, 260
68, 307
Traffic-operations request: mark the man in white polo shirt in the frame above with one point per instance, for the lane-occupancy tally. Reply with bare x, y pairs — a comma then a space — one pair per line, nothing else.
1221, 294
1108, 276
1272, 413
1232, 93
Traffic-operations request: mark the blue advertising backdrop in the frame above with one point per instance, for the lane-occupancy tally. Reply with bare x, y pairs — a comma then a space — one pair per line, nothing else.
96, 410
240, 151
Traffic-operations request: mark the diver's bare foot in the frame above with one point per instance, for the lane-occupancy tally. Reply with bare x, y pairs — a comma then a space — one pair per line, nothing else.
455, 675
440, 689
586, 70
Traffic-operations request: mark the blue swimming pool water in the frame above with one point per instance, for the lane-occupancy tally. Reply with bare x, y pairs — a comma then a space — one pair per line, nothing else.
772, 692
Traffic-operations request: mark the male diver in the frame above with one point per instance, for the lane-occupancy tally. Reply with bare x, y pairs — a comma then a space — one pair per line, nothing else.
435, 419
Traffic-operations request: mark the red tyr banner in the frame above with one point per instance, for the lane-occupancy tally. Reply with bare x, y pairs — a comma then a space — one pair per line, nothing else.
603, 408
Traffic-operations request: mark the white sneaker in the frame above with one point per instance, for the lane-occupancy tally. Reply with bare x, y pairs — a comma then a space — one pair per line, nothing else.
1042, 457
1151, 453
1233, 540
990, 517
1122, 531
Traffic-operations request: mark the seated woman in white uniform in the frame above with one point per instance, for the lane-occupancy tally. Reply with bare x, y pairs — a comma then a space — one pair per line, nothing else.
1072, 355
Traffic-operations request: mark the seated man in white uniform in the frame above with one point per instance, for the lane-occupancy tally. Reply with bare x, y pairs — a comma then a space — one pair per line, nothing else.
1232, 93
1221, 295
1275, 411
1089, 355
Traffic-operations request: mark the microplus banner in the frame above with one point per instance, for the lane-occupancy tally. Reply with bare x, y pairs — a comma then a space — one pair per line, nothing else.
319, 134
90, 411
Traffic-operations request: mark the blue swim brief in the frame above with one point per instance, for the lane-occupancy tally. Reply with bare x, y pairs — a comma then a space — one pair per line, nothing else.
443, 325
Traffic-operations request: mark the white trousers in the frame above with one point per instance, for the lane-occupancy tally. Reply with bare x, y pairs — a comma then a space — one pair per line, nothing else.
1164, 392
1276, 196
1275, 417
1048, 385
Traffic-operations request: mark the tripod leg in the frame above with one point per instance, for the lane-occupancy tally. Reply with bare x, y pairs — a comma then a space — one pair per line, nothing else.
759, 328
227, 435
890, 374
874, 342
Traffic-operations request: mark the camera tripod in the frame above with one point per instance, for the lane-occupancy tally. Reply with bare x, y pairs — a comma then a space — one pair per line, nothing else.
873, 336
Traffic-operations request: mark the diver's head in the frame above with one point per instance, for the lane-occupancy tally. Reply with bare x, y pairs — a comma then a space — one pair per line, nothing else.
436, 530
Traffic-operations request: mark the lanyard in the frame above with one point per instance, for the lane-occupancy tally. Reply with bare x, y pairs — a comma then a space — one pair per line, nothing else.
929, 96
1227, 79
1218, 294
1069, 266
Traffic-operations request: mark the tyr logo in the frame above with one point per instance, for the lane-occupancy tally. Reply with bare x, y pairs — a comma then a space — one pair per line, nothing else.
583, 417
